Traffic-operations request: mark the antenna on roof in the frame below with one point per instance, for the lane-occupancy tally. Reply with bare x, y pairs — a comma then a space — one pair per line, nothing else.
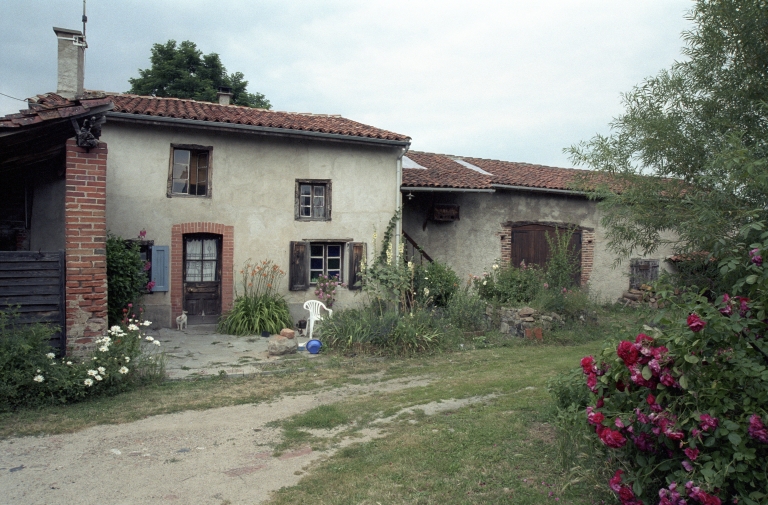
85, 20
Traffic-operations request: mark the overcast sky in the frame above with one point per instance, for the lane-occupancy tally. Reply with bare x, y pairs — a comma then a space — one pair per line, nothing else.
513, 80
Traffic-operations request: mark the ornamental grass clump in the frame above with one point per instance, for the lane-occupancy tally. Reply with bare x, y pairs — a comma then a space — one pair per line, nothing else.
260, 307
31, 375
682, 411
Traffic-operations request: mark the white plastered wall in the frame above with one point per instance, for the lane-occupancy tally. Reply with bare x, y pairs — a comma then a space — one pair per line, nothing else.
472, 244
253, 189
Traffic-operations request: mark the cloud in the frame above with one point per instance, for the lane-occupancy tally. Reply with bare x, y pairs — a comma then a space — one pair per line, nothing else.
509, 80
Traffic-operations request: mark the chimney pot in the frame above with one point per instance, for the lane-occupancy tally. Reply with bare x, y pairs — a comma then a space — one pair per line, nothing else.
224, 95
71, 62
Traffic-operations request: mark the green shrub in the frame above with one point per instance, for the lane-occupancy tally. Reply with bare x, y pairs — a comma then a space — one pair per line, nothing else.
435, 282
466, 310
509, 284
126, 276
568, 389
562, 265
31, 375
364, 328
571, 304
377, 329
259, 308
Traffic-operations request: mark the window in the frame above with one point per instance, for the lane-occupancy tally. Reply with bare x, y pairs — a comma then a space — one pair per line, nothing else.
311, 258
201, 259
324, 259
190, 171
313, 200
642, 271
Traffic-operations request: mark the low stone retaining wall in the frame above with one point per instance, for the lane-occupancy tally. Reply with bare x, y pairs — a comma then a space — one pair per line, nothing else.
523, 322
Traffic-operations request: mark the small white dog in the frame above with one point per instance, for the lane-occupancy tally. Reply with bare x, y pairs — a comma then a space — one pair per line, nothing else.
181, 321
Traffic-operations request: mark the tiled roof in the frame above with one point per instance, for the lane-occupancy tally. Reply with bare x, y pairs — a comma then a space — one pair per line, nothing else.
448, 171
51, 106
236, 114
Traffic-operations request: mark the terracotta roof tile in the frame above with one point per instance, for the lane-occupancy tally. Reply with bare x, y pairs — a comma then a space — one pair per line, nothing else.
442, 170
49, 107
204, 111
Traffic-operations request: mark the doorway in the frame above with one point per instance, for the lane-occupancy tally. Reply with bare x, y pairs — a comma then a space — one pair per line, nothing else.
202, 278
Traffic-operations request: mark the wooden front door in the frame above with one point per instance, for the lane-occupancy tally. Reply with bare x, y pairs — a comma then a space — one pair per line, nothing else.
529, 244
202, 278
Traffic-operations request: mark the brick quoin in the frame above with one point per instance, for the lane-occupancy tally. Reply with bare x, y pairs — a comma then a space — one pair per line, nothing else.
85, 225
177, 262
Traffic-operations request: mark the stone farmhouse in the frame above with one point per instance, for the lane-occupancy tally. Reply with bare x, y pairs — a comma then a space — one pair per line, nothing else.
204, 187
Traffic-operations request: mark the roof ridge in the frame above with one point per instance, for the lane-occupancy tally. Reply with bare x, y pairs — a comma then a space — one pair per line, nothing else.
231, 105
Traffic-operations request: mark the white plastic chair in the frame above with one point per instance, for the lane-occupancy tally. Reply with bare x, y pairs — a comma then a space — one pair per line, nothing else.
314, 306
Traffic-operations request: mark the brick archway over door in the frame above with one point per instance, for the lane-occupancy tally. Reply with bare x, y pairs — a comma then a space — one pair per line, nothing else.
177, 262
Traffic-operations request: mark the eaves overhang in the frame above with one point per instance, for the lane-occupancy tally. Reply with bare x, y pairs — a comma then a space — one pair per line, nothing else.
258, 130
446, 190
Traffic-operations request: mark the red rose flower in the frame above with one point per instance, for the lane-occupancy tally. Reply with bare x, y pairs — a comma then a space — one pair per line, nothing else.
695, 323
628, 352
612, 438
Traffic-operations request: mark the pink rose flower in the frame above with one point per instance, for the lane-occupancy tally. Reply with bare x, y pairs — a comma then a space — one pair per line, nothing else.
757, 429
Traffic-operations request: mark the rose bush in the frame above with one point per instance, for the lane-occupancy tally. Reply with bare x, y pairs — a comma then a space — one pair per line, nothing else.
684, 409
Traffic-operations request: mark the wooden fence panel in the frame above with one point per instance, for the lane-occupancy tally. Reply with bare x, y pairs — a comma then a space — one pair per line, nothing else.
33, 285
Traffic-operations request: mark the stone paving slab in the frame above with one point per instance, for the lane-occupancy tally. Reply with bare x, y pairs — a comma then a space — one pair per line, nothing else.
199, 351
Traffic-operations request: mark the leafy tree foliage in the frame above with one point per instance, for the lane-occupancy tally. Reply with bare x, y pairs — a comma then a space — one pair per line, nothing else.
183, 71
689, 152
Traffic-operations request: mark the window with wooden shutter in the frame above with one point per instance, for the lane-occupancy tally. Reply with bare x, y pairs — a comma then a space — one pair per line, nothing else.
642, 271
160, 267
357, 254
298, 269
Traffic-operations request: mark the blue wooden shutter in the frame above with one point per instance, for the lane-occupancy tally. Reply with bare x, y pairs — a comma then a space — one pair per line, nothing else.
160, 267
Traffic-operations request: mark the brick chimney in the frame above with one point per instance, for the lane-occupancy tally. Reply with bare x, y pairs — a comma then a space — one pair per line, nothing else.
71, 62
225, 95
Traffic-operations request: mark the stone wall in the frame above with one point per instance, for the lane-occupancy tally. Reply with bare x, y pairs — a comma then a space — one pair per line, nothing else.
523, 322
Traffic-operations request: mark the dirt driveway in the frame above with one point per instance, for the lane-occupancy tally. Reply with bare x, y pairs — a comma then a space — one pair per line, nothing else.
218, 456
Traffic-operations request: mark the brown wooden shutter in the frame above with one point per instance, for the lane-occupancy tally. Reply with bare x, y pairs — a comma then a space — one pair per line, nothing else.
298, 268
356, 256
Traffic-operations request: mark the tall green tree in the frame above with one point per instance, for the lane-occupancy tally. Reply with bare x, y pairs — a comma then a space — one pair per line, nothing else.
183, 71
689, 151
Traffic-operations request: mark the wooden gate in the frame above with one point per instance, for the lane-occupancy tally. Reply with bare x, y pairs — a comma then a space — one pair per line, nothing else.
33, 285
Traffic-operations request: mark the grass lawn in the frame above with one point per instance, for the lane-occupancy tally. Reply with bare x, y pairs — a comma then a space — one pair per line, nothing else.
499, 449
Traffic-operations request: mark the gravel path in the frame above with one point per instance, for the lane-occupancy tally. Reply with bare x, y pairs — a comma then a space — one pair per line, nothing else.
218, 456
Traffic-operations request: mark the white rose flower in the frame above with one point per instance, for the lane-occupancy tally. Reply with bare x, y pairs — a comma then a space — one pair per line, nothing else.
97, 377
50, 355
116, 329
147, 323
101, 369
157, 343
123, 370
104, 348
133, 327
88, 382
92, 372
149, 339
38, 378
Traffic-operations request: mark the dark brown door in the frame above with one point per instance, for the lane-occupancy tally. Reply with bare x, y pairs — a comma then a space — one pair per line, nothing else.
529, 244
202, 278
